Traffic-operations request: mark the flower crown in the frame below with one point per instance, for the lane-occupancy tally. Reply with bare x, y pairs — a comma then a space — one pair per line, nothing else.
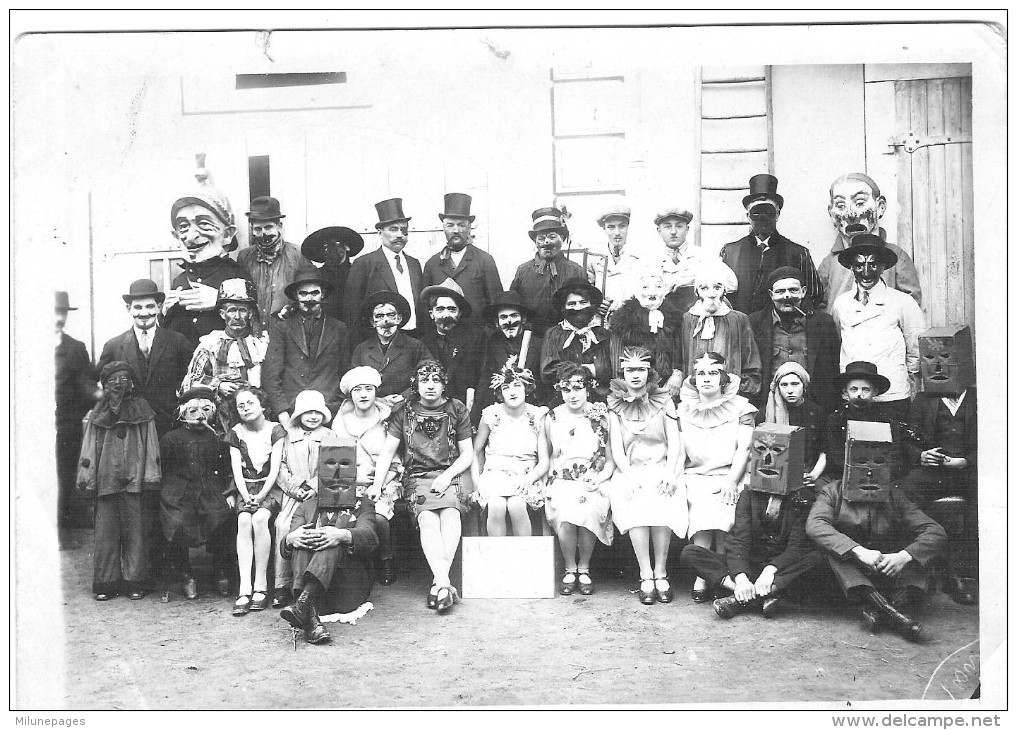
510, 373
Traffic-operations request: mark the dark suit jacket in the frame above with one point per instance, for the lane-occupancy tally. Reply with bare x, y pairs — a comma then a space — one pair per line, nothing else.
213, 272
922, 417
477, 274
462, 353
370, 273
752, 272
396, 364
781, 544
290, 367
75, 384
823, 341
159, 378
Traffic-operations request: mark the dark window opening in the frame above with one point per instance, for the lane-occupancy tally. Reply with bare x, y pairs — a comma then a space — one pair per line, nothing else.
259, 176
276, 81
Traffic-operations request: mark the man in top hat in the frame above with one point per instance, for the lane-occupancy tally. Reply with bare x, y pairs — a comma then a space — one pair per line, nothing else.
390, 351
386, 269
472, 269
537, 280
575, 338
879, 324
75, 393
615, 273
680, 258
307, 350
204, 224
270, 261
754, 257
228, 358
332, 248
790, 329
158, 356
508, 318
454, 341
856, 207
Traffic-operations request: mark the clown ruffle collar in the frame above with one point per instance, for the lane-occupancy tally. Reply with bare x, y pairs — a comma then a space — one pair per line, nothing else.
132, 410
633, 407
725, 409
353, 425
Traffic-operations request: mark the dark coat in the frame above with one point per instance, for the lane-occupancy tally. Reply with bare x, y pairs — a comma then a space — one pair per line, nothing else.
630, 322
922, 417
823, 342
290, 368
603, 356
497, 351
752, 272
838, 526
396, 365
536, 281
461, 352
195, 478
75, 384
780, 543
195, 325
477, 275
370, 273
159, 378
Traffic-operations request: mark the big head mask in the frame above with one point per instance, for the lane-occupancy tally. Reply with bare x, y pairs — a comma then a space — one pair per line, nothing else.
868, 461
947, 360
776, 458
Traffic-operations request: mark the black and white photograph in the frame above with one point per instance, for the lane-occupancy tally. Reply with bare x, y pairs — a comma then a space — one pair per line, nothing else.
547, 360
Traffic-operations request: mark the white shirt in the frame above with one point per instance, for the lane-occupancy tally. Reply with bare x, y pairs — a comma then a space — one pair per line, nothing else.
456, 256
403, 285
622, 275
954, 404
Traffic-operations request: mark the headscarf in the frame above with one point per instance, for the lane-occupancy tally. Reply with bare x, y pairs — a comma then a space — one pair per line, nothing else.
776, 406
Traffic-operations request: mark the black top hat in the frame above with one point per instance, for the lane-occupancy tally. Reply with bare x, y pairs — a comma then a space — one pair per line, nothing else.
315, 245
309, 273
548, 219
390, 211
385, 297
762, 187
507, 300
457, 205
576, 284
264, 208
865, 371
867, 244
143, 288
63, 303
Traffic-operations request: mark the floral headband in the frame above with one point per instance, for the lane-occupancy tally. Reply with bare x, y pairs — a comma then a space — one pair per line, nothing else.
427, 368
566, 384
510, 373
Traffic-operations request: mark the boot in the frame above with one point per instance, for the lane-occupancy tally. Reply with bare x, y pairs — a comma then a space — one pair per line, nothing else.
729, 606
298, 615
899, 622
388, 576
314, 631
771, 605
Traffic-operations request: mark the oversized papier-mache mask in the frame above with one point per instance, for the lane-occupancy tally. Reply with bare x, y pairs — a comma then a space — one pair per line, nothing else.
947, 360
337, 461
868, 460
776, 458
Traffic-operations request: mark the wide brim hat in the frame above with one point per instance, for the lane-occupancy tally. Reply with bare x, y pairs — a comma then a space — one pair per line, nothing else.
867, 244
385, 297
308, 273
310, 400
313, 247
862, 370
448, 288
547, 219
144, 289
265, 208
762, 187
574, 285
63, 302
457, 205
507, 300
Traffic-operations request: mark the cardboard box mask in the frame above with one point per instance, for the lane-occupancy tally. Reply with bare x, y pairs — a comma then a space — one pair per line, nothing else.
868, 461
947, 360
776, 458
337, 461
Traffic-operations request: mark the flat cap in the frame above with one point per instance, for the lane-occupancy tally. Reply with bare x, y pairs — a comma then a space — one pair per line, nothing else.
679, 213
615, 210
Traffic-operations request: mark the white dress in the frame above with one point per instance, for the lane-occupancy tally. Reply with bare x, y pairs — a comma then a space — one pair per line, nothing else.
510, 452
370, 436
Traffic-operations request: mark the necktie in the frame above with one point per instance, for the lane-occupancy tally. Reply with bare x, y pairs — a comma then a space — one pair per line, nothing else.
863, 297
674, 257
143, 343
399, 264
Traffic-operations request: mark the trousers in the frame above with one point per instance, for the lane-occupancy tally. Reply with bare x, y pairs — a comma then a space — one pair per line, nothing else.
712, 567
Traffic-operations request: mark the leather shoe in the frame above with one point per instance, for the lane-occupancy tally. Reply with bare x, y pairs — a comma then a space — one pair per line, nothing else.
104, 596
388, 576
297, 615
432, 596
666, 594
701, 596
961, 590
585, 589
647, 598
771, 606
259, 604
568, 587
446, 597
728, 607
314, 631
136, 595
190, 587
899, 622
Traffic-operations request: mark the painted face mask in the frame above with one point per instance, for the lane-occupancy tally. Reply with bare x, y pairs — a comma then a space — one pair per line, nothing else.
946, 360
336, 504
337, 462
197, 413
776, 458
868, 460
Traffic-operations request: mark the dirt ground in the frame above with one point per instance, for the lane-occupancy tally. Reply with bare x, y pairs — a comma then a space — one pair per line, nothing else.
602, 649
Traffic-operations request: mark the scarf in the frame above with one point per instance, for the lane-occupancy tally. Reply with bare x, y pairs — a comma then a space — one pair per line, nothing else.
656, 319
705, 324
269, 257
222, 354
776, 406
586, 335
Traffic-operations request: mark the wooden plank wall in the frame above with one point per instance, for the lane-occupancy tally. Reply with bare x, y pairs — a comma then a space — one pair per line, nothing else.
934, 186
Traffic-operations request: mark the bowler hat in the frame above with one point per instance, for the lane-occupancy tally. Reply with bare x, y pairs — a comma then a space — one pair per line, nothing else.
548, 219
142, 289
576, 285
390, 211
63, 303
762, 187
507, 300
448, 288
867, 244
457, 205
315, 245
265, 208
396, 299
308, 273
862, 370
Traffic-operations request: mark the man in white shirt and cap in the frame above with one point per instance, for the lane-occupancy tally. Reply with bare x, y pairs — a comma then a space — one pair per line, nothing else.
681, 257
